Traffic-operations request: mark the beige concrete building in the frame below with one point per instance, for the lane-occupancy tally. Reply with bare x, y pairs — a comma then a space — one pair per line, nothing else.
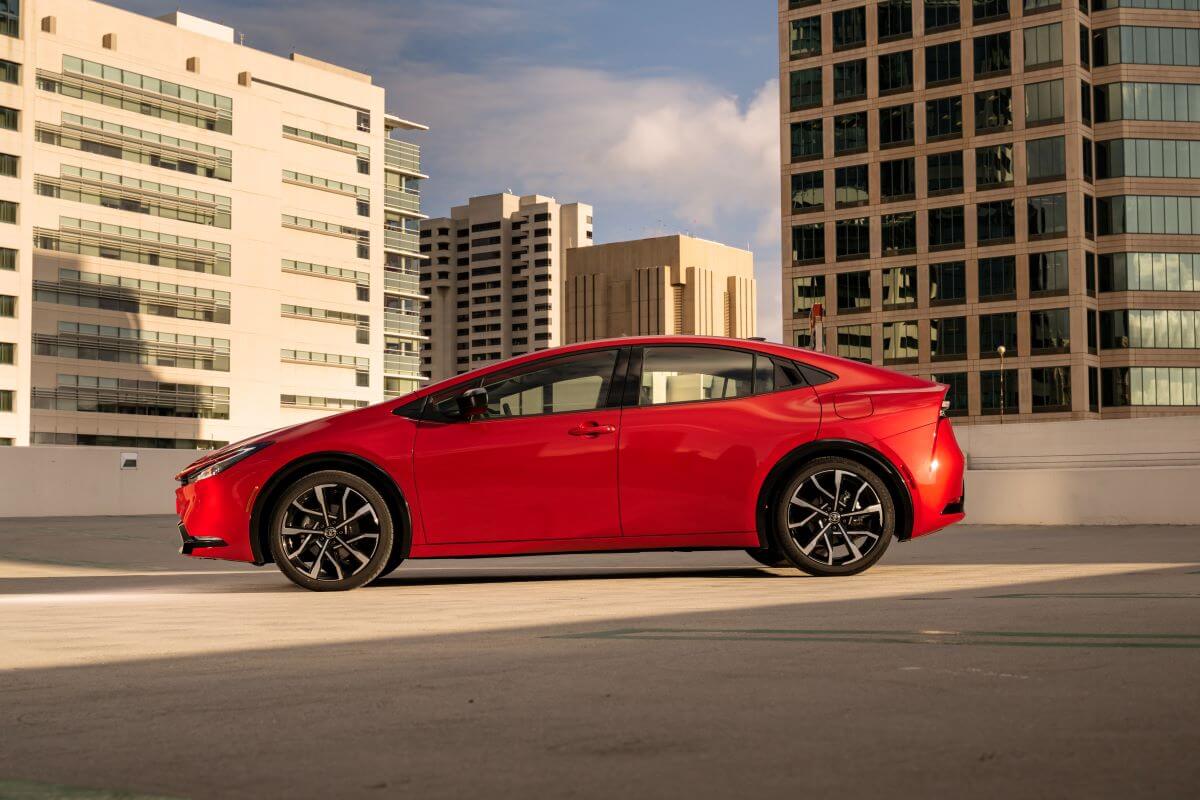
198, 241
660, 286
494, 277
964, 175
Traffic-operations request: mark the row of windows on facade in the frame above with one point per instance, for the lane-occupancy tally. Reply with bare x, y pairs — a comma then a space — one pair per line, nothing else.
896, 125
427, 231
1049, 334
1048, 274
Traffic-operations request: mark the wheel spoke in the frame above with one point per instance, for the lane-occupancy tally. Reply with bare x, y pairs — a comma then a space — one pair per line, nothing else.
337, 568
361, 558
837, 488
808, 550
875, 509
874, 536
316, 567
807, 520
301, 548
828, 545
364, 510
813, 480
319, 491
854, 551
309, 511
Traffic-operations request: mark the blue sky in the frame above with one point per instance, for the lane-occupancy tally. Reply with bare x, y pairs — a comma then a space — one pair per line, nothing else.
662, 113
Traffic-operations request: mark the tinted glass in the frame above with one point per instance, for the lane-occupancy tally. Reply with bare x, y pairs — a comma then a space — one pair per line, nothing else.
689, 374
572, 383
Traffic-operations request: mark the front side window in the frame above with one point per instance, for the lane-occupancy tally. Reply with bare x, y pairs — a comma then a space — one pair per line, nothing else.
572, 383
692, 374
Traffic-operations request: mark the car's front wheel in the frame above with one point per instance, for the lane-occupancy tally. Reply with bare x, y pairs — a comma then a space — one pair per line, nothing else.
835, 517
331, 531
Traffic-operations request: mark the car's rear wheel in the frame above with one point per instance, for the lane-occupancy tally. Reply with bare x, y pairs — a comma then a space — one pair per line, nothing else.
331, 531
835, 517
769, 558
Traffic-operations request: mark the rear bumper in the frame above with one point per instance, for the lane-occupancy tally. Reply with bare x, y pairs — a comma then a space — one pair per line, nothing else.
933, 469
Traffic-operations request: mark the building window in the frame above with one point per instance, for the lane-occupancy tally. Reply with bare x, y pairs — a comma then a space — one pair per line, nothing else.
1046, 159
1150, 386
854, 291
995, 222
1162, 329
1131, 44
1048, 273
806, 37
805, 88
1047, 216
854, 342
849, 28
947, 283
1150, 272
1043, 46
895, 72
1085, 47
853, 238
1149, 214
1044, 103
994, 166
808, 243
10, 18
1093, 389
898, 233
10, 118
957, 396
363, 121
1088, 174
899, 287
1038, 5
993, 110
900, 342
1089, 217
850, 80
993, 54
897, 179
896, 125
1085, 102
8, 306
945, 172
808, 141
946, 230
948, 338
851, 188
8, 353
1051, 388
941, 14
1165, 102
997, 278
995, 331
8, 212
10, 71
989, 10
1148, 158
7, 399
943, 63
850, 133
943, 118
894, 18
8, 258
808, 192
807, 291
998, 391
1050, 331
9, 165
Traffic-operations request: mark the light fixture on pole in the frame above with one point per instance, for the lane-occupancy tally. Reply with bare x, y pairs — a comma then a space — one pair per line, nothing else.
1001, 350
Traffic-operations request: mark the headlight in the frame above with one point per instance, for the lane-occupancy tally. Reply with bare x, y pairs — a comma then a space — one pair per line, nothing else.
217, 467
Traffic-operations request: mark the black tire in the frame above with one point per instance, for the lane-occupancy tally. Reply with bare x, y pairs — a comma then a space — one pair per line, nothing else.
769, 558
832, 546
339, 564
393, 563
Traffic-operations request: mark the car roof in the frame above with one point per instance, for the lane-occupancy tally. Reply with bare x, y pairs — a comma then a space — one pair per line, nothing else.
857, 372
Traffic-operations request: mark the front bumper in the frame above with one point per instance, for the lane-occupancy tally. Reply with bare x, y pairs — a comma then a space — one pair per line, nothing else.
191, 543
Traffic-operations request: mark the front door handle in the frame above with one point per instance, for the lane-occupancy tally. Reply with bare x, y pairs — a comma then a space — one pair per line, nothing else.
592, 429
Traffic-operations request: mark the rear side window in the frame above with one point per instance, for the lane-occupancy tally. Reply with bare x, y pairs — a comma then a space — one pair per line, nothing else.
691, 374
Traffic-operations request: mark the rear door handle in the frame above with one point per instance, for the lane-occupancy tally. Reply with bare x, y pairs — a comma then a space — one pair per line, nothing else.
592, 429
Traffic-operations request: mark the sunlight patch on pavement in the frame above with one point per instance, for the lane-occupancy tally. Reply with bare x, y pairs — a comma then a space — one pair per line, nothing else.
99, 624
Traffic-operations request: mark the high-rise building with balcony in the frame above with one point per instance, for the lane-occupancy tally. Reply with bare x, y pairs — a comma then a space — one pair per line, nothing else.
494, 276
198, 241
965, 178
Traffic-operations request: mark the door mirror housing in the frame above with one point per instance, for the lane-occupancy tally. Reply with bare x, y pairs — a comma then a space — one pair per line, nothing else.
473, 403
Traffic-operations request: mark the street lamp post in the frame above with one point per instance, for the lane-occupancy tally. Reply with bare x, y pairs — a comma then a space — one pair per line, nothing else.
1001, 350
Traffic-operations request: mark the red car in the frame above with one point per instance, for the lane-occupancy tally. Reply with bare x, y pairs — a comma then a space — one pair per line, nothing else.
649, 443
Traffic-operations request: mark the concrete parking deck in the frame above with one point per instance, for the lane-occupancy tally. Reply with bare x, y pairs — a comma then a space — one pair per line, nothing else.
984, 662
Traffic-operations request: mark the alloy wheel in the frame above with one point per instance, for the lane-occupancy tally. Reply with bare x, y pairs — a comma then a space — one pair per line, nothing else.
835, 518
330, 532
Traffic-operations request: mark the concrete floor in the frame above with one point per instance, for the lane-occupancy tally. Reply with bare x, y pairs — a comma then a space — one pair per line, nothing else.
982, 662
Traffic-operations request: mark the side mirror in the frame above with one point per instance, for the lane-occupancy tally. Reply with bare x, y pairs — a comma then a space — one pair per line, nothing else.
473, 403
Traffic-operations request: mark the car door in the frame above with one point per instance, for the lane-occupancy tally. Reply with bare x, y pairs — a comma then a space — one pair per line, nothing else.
541, 464
704, 428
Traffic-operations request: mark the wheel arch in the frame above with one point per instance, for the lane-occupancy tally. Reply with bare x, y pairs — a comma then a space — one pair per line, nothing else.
260, 513
844, 448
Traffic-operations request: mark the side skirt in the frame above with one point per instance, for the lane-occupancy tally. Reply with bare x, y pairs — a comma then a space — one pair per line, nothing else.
615, 544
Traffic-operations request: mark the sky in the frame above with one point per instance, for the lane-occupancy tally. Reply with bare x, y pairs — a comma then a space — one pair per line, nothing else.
661, 114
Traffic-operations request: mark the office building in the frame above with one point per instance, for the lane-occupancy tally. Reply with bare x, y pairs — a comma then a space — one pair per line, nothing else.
965, 177
494, 278
198, 241
659, 286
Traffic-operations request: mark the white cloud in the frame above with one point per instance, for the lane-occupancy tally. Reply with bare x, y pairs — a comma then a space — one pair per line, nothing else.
651, 153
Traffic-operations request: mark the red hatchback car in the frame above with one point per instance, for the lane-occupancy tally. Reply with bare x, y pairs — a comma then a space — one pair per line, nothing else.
648, 443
